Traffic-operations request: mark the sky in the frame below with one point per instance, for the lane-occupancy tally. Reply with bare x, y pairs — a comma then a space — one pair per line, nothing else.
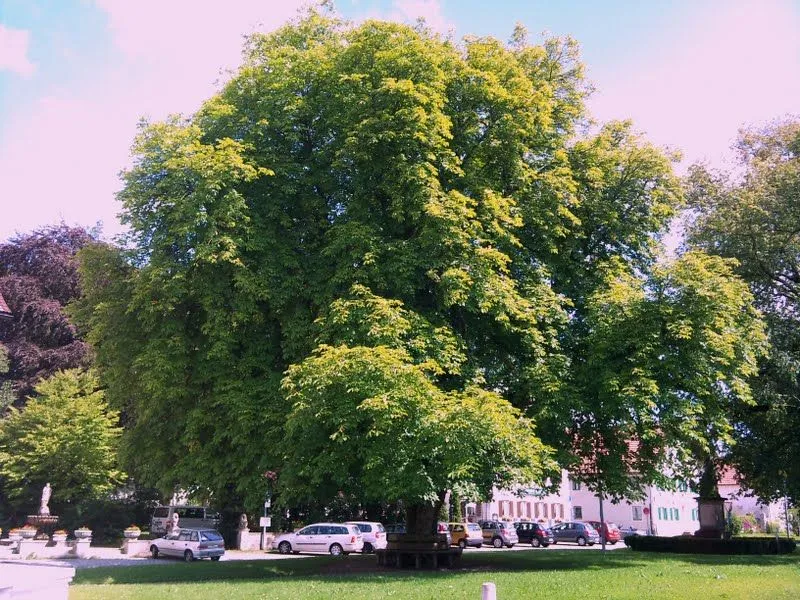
76, 76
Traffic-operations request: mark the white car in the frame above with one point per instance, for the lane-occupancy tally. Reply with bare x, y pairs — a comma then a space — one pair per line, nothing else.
374, 535
190, 544
332, 538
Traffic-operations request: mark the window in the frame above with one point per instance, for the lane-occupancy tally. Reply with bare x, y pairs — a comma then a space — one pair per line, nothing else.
577, 512
185, 536
308, 531
210, 536
676, 514
661, 513
576, 485
364, 527
683, 486
694, 514
636, 513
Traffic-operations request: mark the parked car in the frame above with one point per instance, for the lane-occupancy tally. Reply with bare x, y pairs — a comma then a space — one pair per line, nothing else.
498, 534
631, 530
190, 544
607, 530
443, 528
466, 534
582, 534
332, 538
534, 534
373, 533
395, 528
193, 517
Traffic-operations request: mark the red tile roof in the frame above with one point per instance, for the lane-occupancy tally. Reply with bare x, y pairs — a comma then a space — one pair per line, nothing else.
728, 476
4, 310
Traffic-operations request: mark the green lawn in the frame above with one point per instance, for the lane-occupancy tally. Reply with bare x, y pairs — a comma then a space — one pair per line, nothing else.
542, 574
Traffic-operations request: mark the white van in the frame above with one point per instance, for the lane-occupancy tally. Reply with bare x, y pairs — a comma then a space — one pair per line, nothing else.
197, 517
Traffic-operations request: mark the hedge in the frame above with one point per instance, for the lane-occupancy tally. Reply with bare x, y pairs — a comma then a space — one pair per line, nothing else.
697, 545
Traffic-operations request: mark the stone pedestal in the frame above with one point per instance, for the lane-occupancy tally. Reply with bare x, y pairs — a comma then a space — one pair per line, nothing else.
80, 548
136, 547
31, 548
711, 513
251, 540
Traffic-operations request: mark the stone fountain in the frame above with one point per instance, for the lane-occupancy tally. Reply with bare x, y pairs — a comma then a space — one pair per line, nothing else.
44, 520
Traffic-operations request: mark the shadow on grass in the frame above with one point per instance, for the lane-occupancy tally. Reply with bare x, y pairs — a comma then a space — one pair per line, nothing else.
350, 567
766, 560
365, 568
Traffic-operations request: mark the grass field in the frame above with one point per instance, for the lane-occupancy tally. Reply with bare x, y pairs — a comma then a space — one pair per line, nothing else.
553, 575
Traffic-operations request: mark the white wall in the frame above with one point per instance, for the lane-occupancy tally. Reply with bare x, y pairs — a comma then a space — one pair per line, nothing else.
673, 513
522, 505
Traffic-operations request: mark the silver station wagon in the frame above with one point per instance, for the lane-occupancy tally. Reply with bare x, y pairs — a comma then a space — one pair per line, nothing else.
190, 544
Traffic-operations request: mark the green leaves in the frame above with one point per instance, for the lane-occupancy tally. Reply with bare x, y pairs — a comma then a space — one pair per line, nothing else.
65, 435
368, 423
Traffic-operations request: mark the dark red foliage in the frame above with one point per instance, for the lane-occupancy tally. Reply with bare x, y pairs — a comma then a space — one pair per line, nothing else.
38, 277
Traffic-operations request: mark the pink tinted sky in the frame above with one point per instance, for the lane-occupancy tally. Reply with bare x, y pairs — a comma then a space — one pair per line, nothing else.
66, 128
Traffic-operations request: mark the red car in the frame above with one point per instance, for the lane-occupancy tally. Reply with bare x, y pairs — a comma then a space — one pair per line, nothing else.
607, 530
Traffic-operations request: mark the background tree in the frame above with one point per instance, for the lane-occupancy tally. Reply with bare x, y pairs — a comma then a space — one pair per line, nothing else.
668, 361
38, 277
64, 435
752, 215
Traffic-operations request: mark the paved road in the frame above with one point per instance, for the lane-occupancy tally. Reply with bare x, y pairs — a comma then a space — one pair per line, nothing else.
111, 557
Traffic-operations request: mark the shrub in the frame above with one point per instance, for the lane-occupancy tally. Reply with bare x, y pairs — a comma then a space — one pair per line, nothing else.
697, 545
734, 525
773, 527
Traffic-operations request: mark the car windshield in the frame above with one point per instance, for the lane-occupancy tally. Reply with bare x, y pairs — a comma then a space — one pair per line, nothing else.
473, 527
355, 529
612, 526
501, 525
379, 528
210, 536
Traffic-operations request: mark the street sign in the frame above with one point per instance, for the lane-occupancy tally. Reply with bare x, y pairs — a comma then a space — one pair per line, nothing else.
267, 503
265, 522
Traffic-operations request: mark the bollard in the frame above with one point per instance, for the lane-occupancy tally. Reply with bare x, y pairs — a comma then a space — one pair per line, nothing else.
488, 591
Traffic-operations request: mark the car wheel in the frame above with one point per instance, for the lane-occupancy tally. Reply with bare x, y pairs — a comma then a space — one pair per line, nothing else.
154, 551
497, 542
581, 541
368, 549
215, 558
462, 543
284, 547
188, 556
546, 545
510, 545
535, 542
612, 543
335, 550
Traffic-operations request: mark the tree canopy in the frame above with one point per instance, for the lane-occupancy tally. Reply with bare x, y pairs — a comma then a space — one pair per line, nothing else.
38, 278
752, 215
64, 435
370, 234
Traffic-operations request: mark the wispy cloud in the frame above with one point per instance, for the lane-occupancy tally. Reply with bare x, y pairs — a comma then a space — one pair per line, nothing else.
14, 51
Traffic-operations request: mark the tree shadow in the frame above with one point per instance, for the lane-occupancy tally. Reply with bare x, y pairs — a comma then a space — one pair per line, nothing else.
353, 568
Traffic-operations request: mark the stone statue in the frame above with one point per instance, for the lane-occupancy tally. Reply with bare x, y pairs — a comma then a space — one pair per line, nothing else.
46, 491
243, 522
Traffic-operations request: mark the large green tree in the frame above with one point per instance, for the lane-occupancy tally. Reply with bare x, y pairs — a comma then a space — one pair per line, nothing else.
369, 221
65, 435
753, 215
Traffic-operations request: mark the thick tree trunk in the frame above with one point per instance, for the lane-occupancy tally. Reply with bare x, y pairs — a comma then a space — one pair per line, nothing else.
421, 518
